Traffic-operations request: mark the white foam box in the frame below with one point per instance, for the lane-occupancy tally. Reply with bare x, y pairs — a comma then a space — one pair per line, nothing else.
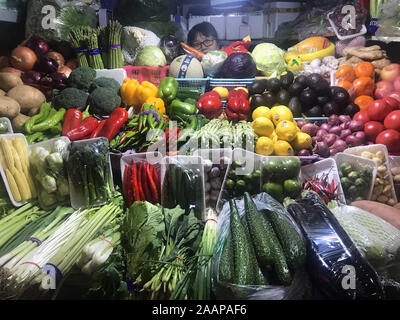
116, 74
278, 13
218, 21
240, 25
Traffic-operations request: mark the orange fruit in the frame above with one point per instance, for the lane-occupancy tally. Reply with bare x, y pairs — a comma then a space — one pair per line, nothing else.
364, 86
363, 102
365, 69
345, 73
345, 84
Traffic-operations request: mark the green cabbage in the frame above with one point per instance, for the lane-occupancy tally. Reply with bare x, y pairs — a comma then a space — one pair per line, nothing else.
151, 56
269, 59
212, 62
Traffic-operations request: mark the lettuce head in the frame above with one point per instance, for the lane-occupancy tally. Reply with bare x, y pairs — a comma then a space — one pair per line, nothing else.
269, 59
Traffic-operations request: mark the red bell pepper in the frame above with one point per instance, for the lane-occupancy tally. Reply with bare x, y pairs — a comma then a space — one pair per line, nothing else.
72, 120
114, 123
210, 104
238, 46
96, 131
237, 106
84, 130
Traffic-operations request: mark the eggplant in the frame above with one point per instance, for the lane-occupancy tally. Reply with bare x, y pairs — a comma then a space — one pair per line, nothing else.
330, 251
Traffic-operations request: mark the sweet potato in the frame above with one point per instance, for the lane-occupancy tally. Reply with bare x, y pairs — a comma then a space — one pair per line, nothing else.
387, 213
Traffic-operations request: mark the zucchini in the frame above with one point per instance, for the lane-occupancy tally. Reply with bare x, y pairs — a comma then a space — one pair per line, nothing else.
226, 263
184, 93
244, 264
291, 242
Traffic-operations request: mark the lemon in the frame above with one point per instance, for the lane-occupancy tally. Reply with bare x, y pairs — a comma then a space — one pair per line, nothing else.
302, 141
223, 92
242, 88
261, 112
262, 126
286, 130
280, 113
274, 137
264, 146
283, 148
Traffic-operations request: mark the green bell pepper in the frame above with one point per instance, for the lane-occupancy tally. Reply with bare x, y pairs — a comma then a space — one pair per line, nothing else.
168, 89
179, 110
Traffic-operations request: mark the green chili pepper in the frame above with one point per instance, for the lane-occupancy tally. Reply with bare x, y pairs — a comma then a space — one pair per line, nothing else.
50, 121
34, 137
45, 110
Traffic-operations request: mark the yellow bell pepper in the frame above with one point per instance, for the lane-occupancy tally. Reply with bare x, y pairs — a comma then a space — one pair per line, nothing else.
129, 92
157, 102
146, 90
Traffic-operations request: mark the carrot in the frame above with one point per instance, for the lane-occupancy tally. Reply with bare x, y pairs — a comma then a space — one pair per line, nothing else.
192, 51
385, 212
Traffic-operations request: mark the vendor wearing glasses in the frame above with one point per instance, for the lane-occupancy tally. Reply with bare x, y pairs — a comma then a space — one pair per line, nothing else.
203, 37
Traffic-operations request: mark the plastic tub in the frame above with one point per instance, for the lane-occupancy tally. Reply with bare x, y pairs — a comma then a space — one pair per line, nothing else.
77, 198
362, 31
374, 149
9, 125
215, 155
151, 74
327, 167
49, 146
358, 163
2, 171
154, 158
190, 162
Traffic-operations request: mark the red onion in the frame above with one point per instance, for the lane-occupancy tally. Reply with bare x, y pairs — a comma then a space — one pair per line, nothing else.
59, 80
340, 145
23, 58
336, 130
356, 125
321, 133
38, 45
345, 133
343, 118
333, 151
310, 129
47, 65
31, 77
360, 135
322, 149
304, 153
353, 141
330, 139
325, 126
333, 120
301, 123
317, 139
57, 57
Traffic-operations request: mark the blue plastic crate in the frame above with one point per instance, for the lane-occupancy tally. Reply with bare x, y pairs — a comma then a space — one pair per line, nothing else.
197, 83
230, 83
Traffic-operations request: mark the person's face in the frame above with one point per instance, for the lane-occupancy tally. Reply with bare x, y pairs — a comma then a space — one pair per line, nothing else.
204, 44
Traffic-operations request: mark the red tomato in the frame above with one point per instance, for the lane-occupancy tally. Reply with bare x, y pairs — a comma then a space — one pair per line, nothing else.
390, 138
378, 110
372, 129
395, 95
392, 120
392, 102
362, 116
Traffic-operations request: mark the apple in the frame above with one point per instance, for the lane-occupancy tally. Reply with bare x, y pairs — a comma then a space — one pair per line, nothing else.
396, 84
395, 104
390, 72
383, 89
395, 95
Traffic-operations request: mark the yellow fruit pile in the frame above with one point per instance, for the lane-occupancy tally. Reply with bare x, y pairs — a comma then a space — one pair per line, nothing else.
277, 132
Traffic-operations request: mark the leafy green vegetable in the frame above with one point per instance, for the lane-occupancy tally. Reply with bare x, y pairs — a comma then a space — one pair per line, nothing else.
269, 59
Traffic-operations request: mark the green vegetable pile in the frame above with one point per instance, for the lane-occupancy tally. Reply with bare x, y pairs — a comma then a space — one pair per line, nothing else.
355, 183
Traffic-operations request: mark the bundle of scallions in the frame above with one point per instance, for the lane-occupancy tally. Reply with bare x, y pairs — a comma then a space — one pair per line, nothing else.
55, 247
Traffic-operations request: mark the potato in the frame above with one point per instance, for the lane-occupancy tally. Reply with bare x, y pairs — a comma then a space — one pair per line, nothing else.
2, 93
396, 178
28, 97
33, 112
396, 171
9, 81
18, 121
9, 107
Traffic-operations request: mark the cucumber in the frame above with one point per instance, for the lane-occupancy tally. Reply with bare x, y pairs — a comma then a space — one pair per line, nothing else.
184, 93
280, 266
226, 263
244, 263
291, 242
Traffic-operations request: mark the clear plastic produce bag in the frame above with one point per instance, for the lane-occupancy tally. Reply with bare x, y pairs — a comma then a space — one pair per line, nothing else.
300, 286
389, 21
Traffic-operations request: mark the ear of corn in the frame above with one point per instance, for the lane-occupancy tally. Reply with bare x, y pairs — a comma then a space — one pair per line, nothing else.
17, 159
7, 152
2, 159
20, 146
23, 185
30, 182
13, 185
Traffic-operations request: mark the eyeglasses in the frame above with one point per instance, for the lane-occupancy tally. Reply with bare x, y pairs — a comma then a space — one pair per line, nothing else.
206, 43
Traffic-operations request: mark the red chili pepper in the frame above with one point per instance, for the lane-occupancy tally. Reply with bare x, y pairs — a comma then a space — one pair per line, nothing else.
114, 123
72, 120
146, 189
140, 182
96, 131
84, 130
134, 182
153, 186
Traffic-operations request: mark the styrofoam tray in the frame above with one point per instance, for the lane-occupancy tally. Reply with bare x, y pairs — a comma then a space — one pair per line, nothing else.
3, 174
191, 162
214, 155
375, 148
9, 125
154, 158
328, 167
76, 199
116, 74
358, 163
362, 32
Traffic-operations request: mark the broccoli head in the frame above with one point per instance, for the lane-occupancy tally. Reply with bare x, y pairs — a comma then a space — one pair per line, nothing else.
104, 82
103, 101
81, 78
71, 98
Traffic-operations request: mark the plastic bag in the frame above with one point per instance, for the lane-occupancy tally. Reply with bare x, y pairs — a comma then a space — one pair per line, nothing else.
334, 264
300, 285
212, 62
377, 240
53, 19
389, 21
